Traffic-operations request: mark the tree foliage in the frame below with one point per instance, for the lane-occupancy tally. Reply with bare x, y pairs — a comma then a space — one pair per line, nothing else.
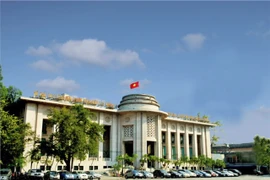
14, 132
76, 135
262, 150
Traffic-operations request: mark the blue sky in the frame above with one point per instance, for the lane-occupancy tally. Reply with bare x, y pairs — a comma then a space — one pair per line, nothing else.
207, 57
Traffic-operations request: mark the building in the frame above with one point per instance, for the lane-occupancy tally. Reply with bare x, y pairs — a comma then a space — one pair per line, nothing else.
135, 126
236, 153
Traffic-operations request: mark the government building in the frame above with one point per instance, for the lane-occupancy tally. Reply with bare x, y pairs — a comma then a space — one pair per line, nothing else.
135, 126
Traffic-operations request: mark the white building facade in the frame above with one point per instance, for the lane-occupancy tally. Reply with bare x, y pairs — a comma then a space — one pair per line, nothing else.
136, 126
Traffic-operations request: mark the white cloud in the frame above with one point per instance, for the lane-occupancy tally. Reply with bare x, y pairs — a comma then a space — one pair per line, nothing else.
194, 41
40, 51
97, 52
261, 29
46, 65
58, 84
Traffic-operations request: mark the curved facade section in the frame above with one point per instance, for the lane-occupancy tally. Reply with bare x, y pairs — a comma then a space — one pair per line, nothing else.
138, 102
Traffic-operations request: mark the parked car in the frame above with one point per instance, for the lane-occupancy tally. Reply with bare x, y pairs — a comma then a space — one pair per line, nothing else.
175, 174
80, 175
161, 173
93, 175
236, 171
5, 174
197, 173
213, 174
133, 174
220, 174
205, 174
191, 174
147, 174
257, 172
35, 174
184, 174
66, 175
51, 175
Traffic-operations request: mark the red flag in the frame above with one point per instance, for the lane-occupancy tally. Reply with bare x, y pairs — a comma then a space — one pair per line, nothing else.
134, 85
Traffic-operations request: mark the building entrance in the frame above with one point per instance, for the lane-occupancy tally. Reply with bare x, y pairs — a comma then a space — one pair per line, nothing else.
129, 147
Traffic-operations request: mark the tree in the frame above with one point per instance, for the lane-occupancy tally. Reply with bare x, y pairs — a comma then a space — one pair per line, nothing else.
76, 135
14, 133
261, 148
185, 160
201, 161
214, 138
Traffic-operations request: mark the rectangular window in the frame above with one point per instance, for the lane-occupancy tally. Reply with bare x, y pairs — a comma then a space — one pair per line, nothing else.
44, 126
81, 168
48, 167
91, 168
190, 152
182, 151
164, 153
96, 167
104, 167
42, 168
65, 168
59, 168
76, 168
173, 138
163, 137
182, 139
190, 139
173, 153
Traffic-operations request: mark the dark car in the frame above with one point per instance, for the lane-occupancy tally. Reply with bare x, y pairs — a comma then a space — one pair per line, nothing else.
236, 171
161, 173
198, 174
66, 175
175, 174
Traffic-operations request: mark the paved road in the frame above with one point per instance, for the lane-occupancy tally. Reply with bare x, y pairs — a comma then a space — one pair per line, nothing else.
243, 177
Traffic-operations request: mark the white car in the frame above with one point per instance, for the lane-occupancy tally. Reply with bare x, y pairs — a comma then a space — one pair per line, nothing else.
35, 174
5, 174
80, 175
93, 175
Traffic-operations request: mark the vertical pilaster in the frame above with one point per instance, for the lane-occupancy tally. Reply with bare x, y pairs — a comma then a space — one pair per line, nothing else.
203, 142
168, 141
158, 146
144, 134
177, 141
208, 143
113, 137
137, 139
100, 152
194, 142
186, 141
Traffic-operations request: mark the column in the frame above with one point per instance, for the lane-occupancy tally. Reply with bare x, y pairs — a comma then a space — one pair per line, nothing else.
194, 142
137, 139
100, 151
113, 137
177, 139
186, 141
208, 143
203, 146
168, 141
158, 146
144, 134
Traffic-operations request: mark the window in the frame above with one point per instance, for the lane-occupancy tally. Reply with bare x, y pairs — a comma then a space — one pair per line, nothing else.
190, 152
163, 137
164, 151
76, 168
44, 126
48, 167
182, 151
81, 168
173, 138
96, 167
173, 153
42, 168
182, 139
91, 168
59, 168
190, 139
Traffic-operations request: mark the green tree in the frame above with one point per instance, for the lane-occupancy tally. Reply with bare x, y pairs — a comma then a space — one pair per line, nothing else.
75, 133
185, 160
201, 161
262, 151
14, 134
214, 138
